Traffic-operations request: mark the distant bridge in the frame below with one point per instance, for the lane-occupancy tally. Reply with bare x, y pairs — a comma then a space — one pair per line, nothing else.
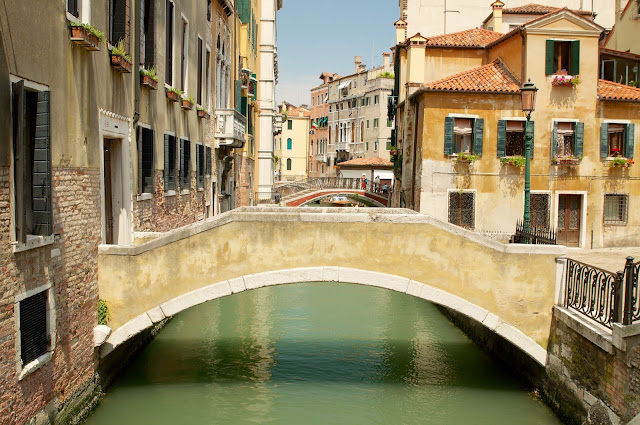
510, 289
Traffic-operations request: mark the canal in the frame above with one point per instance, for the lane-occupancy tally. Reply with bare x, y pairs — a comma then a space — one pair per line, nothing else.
316, 353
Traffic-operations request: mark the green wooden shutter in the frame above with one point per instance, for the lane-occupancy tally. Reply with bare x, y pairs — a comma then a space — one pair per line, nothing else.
502, 138
41, 178
554, 140
604, 140
448, 135
237, 100
630, 138
478, 136
208, 160
578, 140
139, 145
530, 128
167, 171
548, 65
20, 155
575, 57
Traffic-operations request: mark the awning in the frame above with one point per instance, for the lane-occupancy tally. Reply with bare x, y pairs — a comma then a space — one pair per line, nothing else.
344, 84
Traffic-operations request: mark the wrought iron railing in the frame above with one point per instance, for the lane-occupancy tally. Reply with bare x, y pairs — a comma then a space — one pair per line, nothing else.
265, 198
534, 235
315, 183
601, 295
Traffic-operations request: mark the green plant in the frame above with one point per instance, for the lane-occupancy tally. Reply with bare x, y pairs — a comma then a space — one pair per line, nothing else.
566, 159
103, 313
118, 50
466, 157
276, 159
189, 99
385, 75
149, 72
89, 28
621, 162
175, 90
515, 161
199, 108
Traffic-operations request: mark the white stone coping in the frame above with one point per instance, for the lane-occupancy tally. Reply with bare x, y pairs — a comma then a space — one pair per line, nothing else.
332, 191
589, 329
328, 215
325, 274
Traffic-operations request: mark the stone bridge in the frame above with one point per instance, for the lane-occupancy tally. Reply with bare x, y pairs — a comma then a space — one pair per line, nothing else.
510, 289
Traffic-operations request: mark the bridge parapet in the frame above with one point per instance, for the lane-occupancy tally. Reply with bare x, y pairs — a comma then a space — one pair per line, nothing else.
511, 287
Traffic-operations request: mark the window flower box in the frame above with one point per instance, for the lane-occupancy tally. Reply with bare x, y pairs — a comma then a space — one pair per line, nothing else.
560, 80
620, 161
393, 151
566, 160
187, 103
86, 36
465, 158
149, 78
173, 94
120, 60
514, 161
202, 113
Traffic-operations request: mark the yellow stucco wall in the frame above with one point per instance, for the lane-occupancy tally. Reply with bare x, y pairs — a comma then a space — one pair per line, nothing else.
510, 53
625, 33
518, 288
441, 63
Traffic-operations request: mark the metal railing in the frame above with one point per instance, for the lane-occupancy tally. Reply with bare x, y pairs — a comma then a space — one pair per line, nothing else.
534, 235
317, 183
601, 295
265, 197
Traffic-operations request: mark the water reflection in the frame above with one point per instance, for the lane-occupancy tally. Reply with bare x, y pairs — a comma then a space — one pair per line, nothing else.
316, 353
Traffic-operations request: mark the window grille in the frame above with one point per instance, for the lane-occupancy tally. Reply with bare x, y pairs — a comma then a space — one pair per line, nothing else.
33, 327
540, 209
462, 209
615, 209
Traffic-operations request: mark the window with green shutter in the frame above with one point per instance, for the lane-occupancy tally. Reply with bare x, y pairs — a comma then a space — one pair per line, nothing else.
463, 135
616, 140
567, 139
562, 57
185, 164
170, 163
145, 160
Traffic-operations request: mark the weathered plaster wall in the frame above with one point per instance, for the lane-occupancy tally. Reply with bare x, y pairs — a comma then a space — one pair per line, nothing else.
518, 288
510, 53
443, 62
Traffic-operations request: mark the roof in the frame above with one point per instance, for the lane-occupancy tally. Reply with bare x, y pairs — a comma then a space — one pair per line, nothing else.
367, 162
538, 9
608, 90
475, 37
618, 53
490, 78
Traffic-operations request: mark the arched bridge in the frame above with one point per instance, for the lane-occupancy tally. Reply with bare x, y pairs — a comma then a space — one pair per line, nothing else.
510, 289
301, 192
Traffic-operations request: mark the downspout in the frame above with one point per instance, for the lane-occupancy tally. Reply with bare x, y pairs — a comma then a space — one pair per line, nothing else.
522, 59
136, 63
415, 154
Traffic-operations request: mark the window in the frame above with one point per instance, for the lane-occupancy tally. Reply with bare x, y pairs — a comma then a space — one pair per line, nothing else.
207, 80
73, 7
376, 98
289, 144
185, 164
615, 209
617, 140
389, 123
511, 137
375, 145
562, 57
145, 160
32, 162
462, 209
313, 101
200, 166
367, 146
362, 131
184, 51
170, 165
463, 135
620, 70
119, 12
147, 34
368, 101
289, 125
539, 209
209, 10
388, 145
362, 102
199, 71
288, 164
207, 161
168, 63
375, 123
567, 139
35, 323
367, 123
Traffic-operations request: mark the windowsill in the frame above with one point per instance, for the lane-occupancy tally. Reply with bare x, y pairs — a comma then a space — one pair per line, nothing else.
33, 242
34, 365
145, 197
170, 193
201, 189
185, 192
71, 18
615, 224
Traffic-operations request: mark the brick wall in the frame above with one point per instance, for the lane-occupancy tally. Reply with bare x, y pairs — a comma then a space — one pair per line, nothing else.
70, 264
243, 192
163, 213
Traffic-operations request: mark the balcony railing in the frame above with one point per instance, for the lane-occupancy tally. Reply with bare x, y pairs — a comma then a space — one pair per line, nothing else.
230, 128
342, 147
321, 157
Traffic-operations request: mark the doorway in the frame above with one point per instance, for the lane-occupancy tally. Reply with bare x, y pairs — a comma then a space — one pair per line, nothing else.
569, 219
116, 194
108, 193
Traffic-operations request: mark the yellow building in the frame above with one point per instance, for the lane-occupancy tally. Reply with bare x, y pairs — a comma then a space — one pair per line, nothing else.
292, 145
623, 36
460, 132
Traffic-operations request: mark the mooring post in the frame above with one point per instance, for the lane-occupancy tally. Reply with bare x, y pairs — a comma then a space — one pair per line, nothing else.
617, 315
628, 292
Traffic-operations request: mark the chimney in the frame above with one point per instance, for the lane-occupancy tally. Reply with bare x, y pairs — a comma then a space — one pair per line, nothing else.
401, 31
358, 61
415, 59
497, 15
362, 68
386, 59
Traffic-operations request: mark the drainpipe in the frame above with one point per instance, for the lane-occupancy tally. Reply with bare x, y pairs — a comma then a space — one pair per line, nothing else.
136, 63
415, 154
522, 59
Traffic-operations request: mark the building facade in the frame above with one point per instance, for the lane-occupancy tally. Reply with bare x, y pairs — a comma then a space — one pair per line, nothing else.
292, 149
460, 132
319, 138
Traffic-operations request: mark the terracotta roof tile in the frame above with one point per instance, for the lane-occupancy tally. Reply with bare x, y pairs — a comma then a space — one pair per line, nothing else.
475, 37
367, 162
538, 9
608, 90
493, 78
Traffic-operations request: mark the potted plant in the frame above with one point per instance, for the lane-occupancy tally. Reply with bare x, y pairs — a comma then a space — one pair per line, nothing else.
565, 81
187, 102
244, 78
173, 94
465, 158
202, 113
568, 159
120, 60
621, 162
393, 151
615, 152
514, 161
86, 36
149, 78
256, 107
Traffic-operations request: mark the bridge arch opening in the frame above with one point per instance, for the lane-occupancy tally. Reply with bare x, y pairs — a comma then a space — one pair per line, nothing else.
326, 274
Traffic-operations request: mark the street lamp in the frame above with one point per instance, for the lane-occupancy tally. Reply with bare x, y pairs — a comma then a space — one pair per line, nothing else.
528, 97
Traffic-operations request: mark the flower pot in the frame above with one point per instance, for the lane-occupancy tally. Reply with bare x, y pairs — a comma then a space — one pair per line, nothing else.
82, 37
186, 104
569, 162
120, 63
146, 80
203, 114
173, 96
393, 151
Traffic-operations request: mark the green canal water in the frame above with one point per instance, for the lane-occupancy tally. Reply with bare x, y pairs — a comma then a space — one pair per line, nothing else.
316, 353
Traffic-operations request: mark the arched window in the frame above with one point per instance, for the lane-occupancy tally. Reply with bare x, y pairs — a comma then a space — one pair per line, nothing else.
289, 143
353, 132
362, 131
288, 164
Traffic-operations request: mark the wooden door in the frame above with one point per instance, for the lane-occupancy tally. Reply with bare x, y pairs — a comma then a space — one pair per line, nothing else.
569, 214
108, 196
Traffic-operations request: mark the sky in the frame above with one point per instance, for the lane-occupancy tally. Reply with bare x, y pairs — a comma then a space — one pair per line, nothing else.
325, 35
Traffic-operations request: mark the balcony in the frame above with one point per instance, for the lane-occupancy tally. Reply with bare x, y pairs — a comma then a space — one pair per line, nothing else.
277, 124
342, 147
229, 128
321, 157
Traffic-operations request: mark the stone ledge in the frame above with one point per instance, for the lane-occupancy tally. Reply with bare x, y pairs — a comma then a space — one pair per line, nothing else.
588, 329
